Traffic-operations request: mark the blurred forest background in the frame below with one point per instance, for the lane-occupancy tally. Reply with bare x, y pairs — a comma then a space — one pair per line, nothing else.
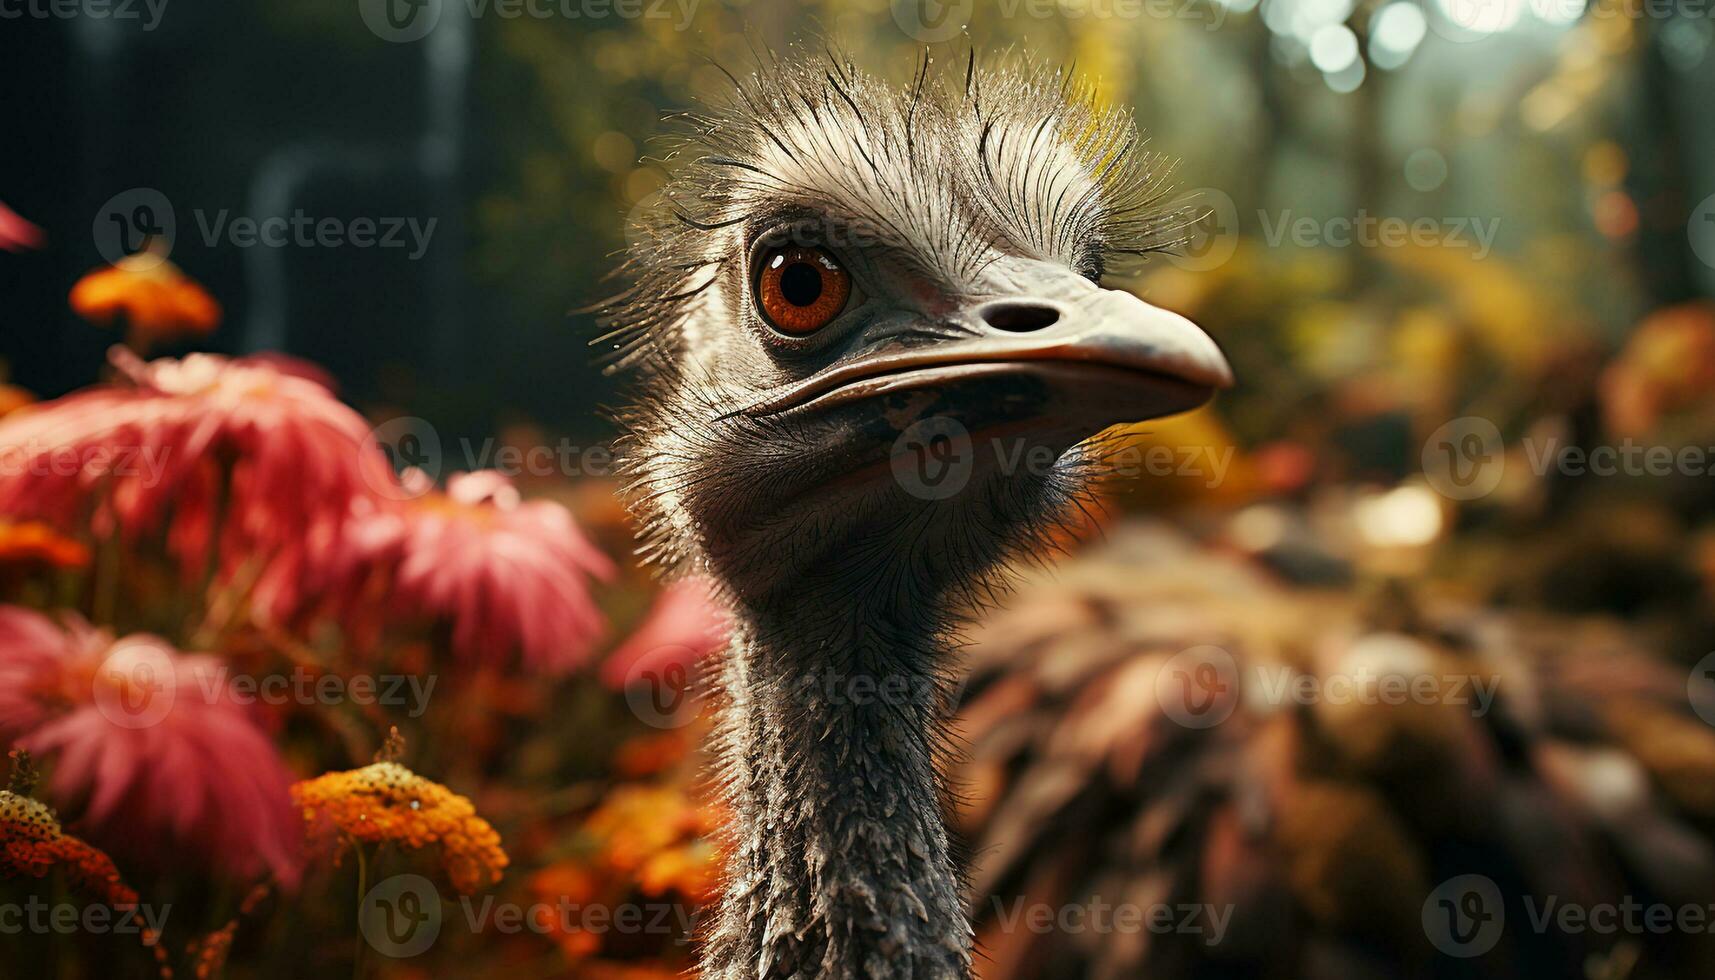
1556, 156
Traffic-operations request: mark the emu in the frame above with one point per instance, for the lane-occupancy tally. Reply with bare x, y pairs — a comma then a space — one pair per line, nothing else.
851, 298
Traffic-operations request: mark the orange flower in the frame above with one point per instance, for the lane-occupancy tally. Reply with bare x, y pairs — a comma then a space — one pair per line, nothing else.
159, 301
647, 755
388, 802
660, 837
693, 870
30, 542
31, 843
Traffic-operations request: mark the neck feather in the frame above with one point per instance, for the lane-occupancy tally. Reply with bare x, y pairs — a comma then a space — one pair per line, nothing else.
840, 864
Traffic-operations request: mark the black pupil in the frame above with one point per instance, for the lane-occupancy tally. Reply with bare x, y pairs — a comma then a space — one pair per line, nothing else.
801, 284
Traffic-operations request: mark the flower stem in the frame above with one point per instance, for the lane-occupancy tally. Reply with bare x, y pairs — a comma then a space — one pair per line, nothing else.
362, 890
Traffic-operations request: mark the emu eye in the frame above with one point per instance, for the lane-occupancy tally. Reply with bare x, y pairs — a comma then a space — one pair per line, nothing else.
801, 289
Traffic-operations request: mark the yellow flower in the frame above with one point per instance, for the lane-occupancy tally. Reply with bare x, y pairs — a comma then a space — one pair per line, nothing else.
386, 802
32, 843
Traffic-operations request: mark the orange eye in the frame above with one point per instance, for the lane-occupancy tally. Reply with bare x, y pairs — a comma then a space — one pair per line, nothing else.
800, 290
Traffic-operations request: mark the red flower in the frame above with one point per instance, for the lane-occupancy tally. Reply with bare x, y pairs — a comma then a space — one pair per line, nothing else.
284, 455
509, 575
16, 234
164, 765
686, 624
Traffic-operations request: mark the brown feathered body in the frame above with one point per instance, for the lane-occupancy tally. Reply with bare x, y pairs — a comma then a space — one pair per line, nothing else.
1164, 729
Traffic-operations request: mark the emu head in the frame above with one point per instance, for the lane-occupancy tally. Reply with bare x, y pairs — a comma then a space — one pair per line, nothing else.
853, 297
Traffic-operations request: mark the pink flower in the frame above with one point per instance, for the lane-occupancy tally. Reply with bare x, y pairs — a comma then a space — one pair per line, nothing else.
508, 575
686, 624
16, 234
164, 765
250, 449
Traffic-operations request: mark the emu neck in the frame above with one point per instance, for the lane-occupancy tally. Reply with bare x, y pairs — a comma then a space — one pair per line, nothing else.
841, 864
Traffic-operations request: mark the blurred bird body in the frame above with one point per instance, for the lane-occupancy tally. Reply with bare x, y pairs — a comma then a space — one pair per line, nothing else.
1349, 760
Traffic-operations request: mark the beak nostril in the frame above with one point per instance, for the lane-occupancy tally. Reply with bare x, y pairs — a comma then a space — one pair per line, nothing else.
1019, 317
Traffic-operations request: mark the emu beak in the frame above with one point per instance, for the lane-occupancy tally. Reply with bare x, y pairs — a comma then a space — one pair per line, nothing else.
1054, 351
